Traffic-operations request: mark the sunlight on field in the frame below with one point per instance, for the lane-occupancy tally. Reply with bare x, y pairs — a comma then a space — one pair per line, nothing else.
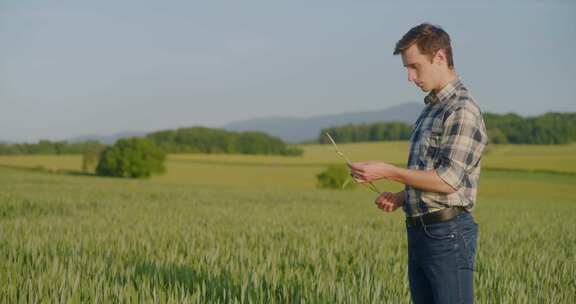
516, 157
518, 186
45, 162
247, 175
530, 157
239, 175
313, 155
393, 152
250, 170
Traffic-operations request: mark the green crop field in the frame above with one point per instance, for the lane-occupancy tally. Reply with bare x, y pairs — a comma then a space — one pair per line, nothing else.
223, 228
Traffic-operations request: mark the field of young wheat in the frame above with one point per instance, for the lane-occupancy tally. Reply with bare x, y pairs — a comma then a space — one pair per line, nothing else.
254, 229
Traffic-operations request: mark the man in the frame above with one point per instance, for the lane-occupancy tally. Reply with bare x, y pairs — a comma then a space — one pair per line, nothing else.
442, 175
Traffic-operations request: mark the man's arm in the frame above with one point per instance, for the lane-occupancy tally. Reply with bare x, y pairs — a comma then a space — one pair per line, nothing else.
424, 180
428, 181
461, 149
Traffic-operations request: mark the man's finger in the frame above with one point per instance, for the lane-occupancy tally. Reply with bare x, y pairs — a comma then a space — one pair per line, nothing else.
356, 167
358, 178
387, 207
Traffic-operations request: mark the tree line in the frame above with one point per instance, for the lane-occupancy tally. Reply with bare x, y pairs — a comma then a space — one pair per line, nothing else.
210, 140
183, 140
49, 147
378, 131
549, 128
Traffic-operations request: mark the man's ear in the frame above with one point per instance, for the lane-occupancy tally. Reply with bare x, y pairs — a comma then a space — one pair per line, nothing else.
440, 57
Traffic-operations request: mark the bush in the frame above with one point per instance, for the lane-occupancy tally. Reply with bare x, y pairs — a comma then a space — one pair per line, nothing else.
293, 151
132, 157
335, 177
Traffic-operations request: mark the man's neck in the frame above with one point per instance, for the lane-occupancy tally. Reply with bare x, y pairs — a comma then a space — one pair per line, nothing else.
450, 76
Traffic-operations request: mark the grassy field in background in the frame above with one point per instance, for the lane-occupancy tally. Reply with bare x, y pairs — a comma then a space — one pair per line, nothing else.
233, 228
560, 158
297, 172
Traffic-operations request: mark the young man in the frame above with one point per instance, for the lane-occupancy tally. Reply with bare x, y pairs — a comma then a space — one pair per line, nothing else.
442, 175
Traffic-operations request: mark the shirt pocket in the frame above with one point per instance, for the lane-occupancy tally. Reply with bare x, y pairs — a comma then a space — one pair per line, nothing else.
434, 142
430, 148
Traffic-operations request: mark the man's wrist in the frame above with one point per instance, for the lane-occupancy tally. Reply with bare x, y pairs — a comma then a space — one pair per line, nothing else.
400, 197
395, 174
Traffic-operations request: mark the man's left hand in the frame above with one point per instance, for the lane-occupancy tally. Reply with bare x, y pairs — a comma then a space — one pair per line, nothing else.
364, 172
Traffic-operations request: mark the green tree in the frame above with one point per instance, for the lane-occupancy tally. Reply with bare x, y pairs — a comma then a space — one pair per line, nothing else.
132, 157
496, 136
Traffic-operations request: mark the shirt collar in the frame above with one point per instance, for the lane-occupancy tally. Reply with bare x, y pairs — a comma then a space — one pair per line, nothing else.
443, 94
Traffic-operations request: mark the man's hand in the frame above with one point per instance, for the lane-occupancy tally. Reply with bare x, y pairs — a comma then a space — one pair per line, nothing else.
364, 172
389, 201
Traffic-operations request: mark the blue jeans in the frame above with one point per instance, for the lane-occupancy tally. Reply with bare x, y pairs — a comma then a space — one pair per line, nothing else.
441, 260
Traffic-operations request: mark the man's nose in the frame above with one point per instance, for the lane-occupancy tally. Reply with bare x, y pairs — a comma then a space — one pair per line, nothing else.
411, 76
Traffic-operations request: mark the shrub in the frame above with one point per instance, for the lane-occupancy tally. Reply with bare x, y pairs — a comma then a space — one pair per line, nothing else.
131, 157
335, 177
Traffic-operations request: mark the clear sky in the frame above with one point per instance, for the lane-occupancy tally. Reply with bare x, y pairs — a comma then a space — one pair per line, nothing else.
71, 68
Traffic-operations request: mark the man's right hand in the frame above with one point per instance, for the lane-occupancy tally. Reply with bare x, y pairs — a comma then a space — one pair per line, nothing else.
389, 201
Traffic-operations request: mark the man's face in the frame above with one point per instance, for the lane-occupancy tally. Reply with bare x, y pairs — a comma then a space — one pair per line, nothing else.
421, 71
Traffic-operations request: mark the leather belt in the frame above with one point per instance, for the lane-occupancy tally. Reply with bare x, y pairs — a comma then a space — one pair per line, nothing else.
443, 215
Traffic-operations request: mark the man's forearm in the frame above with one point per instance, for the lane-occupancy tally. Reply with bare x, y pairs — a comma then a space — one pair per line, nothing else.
428, 181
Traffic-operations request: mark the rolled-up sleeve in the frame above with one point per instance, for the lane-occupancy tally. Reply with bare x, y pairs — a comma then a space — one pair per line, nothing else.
463, 140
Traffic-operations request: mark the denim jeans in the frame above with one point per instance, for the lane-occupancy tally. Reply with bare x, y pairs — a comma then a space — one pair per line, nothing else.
441, 261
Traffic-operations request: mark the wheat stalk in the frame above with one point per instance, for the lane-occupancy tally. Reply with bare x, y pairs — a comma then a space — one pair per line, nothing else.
370, 185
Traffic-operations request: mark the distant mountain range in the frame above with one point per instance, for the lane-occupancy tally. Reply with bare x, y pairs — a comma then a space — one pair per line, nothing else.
292, 129
295, 130
531, 130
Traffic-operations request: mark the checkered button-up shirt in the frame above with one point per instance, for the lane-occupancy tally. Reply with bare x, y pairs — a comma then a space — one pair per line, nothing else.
448, 137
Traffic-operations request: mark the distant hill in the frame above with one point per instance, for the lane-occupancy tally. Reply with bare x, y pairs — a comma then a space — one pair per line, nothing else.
295, 130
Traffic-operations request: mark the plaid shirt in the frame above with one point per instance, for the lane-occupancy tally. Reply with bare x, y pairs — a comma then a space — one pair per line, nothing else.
448, 137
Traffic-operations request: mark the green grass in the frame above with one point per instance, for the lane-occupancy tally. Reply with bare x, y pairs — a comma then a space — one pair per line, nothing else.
85, 239
240, 228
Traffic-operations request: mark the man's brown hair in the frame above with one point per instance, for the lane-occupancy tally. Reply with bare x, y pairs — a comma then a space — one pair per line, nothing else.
429, 39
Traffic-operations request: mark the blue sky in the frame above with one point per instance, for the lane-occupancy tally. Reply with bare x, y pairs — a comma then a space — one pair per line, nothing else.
71, 68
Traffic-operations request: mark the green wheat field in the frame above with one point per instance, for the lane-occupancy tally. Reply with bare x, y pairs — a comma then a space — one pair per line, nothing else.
254, 229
